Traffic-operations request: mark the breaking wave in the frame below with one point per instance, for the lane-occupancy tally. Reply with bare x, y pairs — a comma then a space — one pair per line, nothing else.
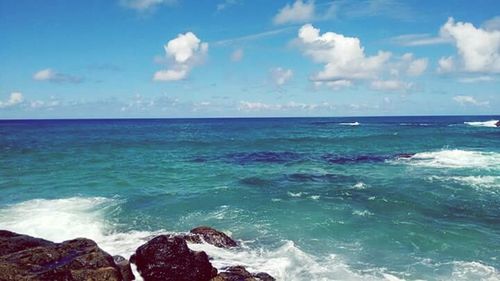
453, 159
490, 123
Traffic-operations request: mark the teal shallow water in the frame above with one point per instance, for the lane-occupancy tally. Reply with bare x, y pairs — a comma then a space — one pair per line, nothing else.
311, 199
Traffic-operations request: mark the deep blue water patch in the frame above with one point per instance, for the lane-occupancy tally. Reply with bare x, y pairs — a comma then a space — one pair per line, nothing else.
271, 157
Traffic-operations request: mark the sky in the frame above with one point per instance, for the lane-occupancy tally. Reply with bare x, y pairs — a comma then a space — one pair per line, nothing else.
248, 58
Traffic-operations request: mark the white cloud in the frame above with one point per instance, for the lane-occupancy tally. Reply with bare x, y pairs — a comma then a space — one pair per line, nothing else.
390, 85
185, 51
50, 75
468, 100
446, 65
145, 5
417, 67
298, 12
237, 55
14, 99
280, 75
478, 48
475, 79
343, 57
492, 24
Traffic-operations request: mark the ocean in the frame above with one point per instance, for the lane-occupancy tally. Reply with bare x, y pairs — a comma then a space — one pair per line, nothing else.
358, 198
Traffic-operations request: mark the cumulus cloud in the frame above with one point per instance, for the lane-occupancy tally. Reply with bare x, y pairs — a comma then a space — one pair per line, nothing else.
345, 62
237, 55
280, 75
415, 67
50, 75
14, 99
298, 12
183, 52
446, 64
478, 48
468, 100
343, 57
145, 5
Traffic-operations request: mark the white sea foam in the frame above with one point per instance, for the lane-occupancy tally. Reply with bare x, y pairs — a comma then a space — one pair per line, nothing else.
474, 271
478, 182
359, 185
490, 123
454, 159
289, 262
296, 194
63, 219
363, 213
350, 124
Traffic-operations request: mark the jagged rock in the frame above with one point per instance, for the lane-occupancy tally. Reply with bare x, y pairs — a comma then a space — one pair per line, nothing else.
168, 258
124, 266
497, 124
28, 258
211, 236
239, 273
11, 242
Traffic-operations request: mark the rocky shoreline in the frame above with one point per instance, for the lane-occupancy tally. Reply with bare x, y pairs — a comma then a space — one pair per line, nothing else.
164, 257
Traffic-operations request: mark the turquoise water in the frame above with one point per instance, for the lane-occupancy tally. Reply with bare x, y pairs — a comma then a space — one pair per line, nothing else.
411, 198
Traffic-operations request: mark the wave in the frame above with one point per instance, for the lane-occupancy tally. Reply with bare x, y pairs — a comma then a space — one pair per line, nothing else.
478, 182
453, 159
490, 123
63, 219
350, 124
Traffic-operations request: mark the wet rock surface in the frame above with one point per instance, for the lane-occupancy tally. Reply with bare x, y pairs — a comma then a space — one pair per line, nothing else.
27, 258
239, 273
168, 258
212, 236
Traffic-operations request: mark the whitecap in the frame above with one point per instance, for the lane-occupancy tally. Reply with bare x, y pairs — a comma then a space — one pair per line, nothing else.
63, 219
359, 185
296, 194
490, 123
474, 271
350, 124
363, 213
453, 159
478, 182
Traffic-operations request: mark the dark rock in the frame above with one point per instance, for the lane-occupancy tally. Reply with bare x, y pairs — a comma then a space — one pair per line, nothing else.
124, 266
29, 258
497, 124
168, 258
239, 273
11, 242
212, 236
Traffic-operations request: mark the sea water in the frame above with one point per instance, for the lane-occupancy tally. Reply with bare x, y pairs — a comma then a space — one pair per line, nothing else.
382, 198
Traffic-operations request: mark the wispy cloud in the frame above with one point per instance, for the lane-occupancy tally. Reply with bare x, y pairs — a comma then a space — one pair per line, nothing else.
51, 75
251, 37
226, 4
421, 39
469, 100
145, 5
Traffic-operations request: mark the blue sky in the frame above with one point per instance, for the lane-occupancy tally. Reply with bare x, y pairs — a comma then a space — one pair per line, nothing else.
225, 58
